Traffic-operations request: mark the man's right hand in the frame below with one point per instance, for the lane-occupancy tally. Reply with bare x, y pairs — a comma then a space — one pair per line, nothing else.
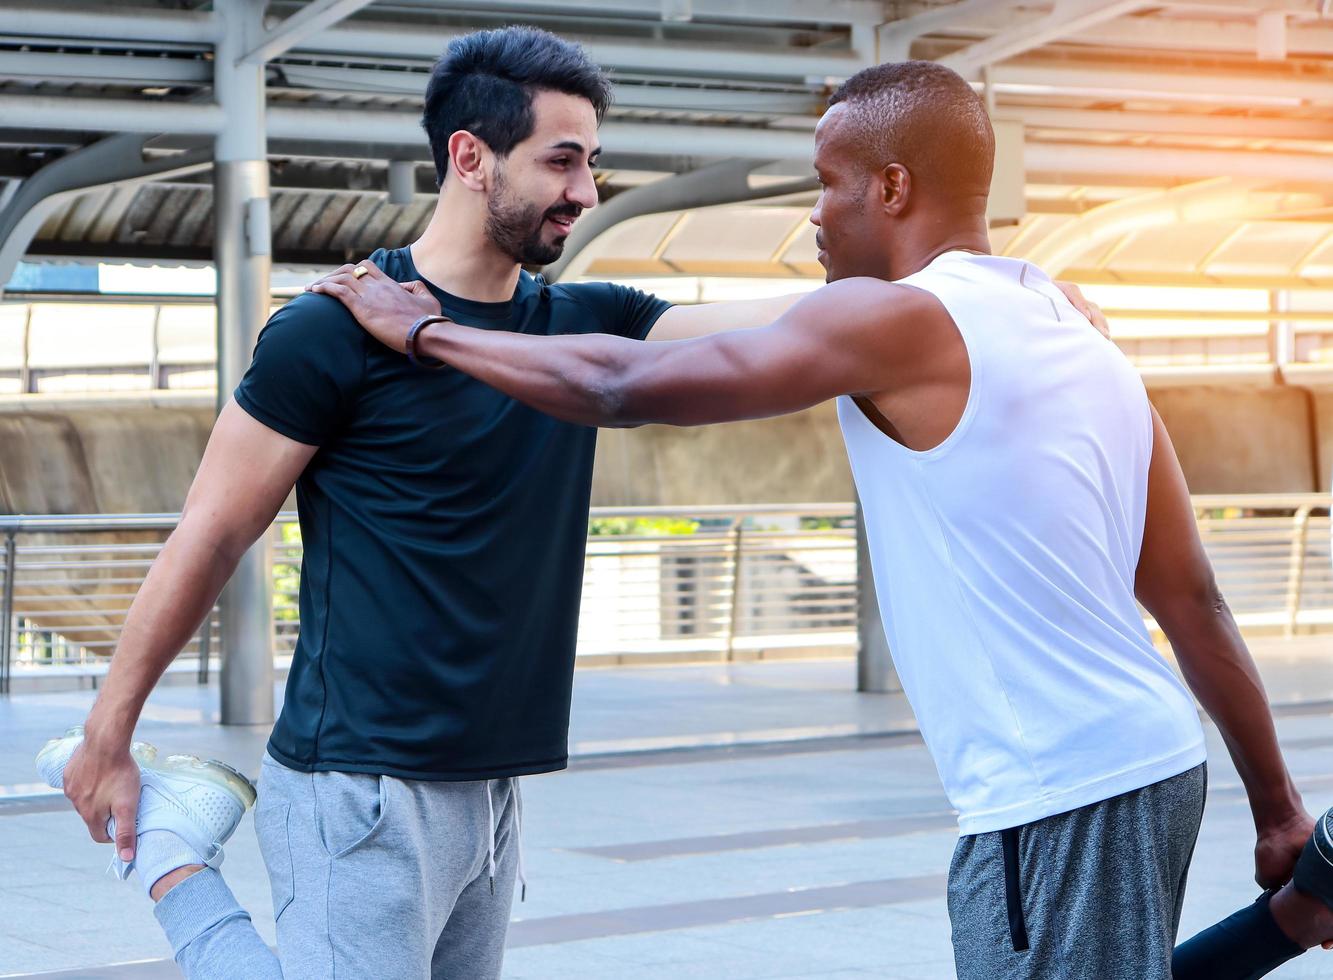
103, 783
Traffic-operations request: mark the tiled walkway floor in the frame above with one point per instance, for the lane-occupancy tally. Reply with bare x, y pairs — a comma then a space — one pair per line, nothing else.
724, 823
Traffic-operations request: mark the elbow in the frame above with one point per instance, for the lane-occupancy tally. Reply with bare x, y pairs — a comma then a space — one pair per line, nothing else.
611, 399
608, 396
1207, 599
207, 532
1197, 609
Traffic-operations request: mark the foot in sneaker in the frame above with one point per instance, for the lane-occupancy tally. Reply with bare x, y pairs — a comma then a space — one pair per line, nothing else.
188, 808
1304, 907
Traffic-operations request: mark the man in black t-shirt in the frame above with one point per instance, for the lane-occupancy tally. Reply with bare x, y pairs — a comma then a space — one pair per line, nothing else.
444, 528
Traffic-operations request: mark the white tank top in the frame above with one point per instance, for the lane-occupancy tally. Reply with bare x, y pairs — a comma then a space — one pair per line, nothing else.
1004, 561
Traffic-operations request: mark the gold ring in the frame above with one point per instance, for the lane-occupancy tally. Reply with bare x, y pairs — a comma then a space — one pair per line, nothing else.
360, 271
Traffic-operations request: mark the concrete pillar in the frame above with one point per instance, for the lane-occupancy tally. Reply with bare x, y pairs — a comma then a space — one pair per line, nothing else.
402, 181
242, 253
875, 672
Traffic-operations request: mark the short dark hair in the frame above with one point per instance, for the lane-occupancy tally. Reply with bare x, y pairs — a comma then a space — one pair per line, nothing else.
485, 81
924, 116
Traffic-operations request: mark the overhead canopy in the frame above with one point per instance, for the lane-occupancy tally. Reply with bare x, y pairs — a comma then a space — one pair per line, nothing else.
1119, 102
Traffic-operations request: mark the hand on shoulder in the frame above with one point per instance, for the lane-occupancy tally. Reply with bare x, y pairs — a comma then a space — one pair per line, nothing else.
383, 306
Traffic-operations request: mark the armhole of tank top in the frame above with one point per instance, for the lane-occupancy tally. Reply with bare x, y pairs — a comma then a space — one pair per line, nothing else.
969, 407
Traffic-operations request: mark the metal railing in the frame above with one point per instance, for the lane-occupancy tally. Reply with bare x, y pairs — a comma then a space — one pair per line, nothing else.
660, 583
1271, 555
155, 344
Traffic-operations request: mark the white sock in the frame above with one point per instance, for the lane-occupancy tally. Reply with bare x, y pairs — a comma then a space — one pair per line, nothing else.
160, 852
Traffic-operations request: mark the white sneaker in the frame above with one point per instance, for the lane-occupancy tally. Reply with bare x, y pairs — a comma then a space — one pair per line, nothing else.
201, 802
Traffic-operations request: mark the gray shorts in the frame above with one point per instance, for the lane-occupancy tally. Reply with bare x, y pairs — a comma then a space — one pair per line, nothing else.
372, 877
1092, 894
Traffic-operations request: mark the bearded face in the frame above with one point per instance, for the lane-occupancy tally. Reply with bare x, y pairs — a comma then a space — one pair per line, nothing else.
529, 232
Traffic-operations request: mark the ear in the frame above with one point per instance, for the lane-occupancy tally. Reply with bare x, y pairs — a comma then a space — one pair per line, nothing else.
470, 160
895, 184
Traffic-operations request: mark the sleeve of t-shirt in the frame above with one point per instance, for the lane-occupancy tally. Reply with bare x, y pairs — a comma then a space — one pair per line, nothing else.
621, 310
306, 372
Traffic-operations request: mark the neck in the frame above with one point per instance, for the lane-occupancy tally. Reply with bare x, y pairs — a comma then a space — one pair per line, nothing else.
938, 235
455, 254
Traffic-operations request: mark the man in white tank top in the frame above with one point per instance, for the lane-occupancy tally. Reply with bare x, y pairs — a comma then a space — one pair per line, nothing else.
1019, 494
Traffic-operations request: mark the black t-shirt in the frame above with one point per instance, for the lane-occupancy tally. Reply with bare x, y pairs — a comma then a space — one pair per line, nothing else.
444, 527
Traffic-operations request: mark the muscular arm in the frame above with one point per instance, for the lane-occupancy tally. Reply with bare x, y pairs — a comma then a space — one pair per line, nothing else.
1175, 583
685, 322
245, 475
700, 320
850, 337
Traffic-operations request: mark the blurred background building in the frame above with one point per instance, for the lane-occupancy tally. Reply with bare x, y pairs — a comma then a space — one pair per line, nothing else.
1174, 158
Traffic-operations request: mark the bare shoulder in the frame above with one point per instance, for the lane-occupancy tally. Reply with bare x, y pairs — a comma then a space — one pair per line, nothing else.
862, 299
875, 316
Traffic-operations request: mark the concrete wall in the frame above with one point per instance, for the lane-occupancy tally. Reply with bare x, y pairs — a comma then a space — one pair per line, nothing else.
126, 457
105, 458
797, 459
1248, 439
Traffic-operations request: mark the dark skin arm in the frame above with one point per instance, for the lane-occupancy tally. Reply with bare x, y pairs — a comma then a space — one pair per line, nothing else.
857, 336
860, 337
1175, 583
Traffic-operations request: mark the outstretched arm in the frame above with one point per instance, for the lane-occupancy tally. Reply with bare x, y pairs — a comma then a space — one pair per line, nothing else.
699, 320
850, 337
245, 475
1174, 581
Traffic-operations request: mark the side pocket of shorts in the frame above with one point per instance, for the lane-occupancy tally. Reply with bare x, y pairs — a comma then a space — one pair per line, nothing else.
350, 809
1013, 889
275, 845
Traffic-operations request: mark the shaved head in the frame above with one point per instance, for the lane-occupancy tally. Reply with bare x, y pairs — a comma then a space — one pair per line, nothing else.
923, 116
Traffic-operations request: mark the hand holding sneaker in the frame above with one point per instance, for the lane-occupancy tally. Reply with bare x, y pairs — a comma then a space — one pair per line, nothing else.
185, 811
103, 784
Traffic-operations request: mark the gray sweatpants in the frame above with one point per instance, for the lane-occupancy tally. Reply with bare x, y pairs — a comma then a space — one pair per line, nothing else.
1092, 894
372, 876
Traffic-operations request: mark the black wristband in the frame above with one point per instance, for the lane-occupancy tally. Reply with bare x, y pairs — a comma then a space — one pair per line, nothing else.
411, 343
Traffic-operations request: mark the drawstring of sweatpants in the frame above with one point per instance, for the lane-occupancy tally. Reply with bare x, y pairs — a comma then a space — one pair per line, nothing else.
518, 835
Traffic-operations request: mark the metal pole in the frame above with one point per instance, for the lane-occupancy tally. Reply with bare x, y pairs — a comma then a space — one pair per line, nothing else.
875, 672
25, 373
1296, 570
7, 611
155, 359
242, 252
737, 540
205, 643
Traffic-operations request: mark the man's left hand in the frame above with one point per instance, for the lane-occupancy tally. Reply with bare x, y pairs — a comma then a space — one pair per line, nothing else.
1278, 848
385, 307
1085, 306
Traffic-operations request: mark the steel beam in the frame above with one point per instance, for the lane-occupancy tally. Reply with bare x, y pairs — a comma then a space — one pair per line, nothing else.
736, 102
104, 68
738, 11
896, 37
110, 23
1067, 17
619, 137
726, 182
1181, 34
1228, 128
314, 17
117, 160
1157, 84
43, 112
386, 41
1080, 160
1201, 31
